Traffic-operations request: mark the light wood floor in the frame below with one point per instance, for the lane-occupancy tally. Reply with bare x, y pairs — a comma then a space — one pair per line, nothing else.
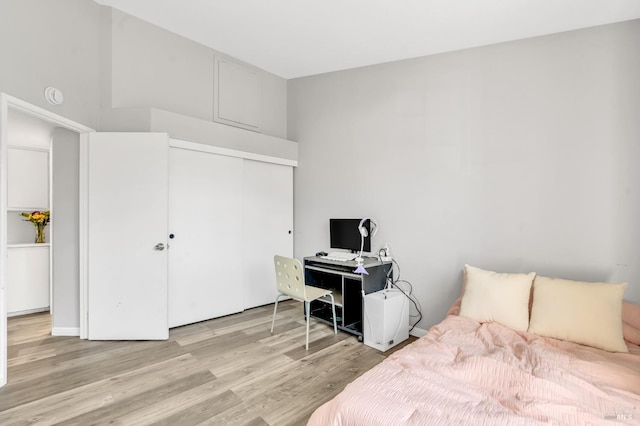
227, 371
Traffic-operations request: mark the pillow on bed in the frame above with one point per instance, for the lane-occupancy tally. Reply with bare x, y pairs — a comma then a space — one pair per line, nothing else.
631, 334
580, 312
631, 322
492, 296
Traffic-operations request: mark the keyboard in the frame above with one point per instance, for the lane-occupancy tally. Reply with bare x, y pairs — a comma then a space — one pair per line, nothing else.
340, 256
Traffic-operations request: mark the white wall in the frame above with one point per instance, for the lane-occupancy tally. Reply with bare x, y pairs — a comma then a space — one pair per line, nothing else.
102, 58
52, 43
512, 157
152, 67
64, 224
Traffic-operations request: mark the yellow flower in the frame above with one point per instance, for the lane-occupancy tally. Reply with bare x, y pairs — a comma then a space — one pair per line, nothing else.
37, 218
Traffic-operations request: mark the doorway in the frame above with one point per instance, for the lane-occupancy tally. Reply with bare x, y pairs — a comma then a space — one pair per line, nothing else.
70, 135
29, 196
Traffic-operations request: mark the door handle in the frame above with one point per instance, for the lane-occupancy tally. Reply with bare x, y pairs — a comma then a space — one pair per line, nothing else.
159, 247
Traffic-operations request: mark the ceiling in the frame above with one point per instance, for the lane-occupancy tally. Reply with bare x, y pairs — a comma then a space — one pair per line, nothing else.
294, 38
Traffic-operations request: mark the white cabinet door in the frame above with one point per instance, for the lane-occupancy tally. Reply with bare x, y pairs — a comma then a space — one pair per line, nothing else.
268, 227
27, 278
205, 255
127, 214
28, 177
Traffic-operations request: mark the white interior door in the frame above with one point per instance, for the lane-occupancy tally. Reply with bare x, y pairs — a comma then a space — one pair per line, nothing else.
127, 215
205, 216
268, 227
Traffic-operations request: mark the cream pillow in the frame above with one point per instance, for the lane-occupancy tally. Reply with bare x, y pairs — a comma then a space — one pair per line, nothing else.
580, 312
492, 296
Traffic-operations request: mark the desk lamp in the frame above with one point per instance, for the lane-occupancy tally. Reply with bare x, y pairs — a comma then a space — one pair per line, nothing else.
364, 232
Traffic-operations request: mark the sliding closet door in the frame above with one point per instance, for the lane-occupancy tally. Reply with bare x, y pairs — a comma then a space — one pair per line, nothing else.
268, 227
205, 219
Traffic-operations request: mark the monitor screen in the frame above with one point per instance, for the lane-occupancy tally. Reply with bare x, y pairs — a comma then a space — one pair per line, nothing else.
344, 234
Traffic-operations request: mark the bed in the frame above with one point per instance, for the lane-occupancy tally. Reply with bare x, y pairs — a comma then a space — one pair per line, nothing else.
466, 371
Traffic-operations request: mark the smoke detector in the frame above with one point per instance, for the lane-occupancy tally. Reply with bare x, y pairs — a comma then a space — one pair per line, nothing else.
53, 96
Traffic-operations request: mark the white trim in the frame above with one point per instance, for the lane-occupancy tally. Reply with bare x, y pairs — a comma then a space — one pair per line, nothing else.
25, 245
83, 231
27, 208
418, 332
4, 117
51, 232
29, 148
65, 331
27, 312
7, 101
46, 115
194, 146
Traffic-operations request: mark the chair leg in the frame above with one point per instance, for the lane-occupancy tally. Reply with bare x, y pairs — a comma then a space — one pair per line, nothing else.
275, 309
307, 308
333, 308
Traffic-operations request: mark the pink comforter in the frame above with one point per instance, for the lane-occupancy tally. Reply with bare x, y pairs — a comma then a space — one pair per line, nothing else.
463, 372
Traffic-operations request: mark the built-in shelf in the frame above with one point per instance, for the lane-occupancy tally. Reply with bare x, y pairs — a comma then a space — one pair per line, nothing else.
27, 209
29, 148
28, 189
20, 231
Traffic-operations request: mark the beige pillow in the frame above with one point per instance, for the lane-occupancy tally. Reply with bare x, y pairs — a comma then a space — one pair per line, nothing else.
492, 296
580, 312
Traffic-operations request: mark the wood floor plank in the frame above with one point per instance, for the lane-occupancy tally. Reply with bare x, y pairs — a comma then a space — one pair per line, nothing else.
283, 404
70, 376
30, 357
238, 415
253, 374
85, 355
201, 411
318, 344
300, 370
176, 405
226, 371
219, 343
190, 334
37, 344
159, 396
295, 336
259, 322
96, 395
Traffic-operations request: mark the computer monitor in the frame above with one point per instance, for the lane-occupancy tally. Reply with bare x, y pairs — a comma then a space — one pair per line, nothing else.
344, 234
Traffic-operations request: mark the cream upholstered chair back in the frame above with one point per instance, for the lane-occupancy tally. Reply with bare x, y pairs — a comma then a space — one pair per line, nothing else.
290, 278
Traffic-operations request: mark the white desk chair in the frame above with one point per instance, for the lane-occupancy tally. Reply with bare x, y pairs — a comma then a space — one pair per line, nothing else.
290, 282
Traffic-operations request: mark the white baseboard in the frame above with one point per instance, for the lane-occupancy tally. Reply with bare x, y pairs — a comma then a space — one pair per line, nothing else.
418, 332
27, 312
65, 331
